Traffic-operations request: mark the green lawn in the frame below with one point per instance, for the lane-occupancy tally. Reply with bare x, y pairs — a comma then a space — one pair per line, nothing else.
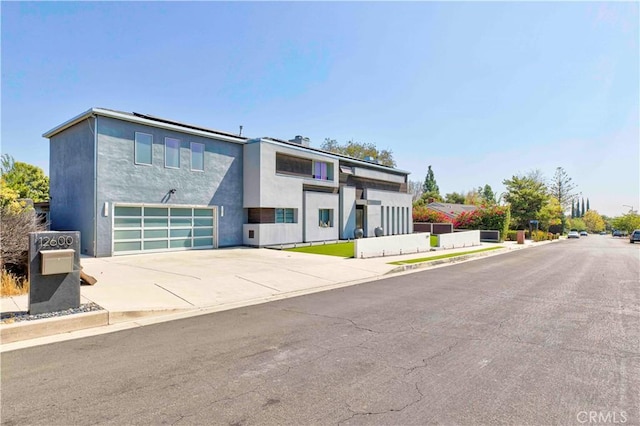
338, 249
441, 256
434, 240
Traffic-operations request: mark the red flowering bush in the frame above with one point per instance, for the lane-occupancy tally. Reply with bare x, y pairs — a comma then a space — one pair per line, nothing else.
490, 217
424, 214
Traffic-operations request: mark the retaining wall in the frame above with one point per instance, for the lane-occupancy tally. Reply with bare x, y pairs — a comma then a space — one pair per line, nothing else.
459, 239
392, 245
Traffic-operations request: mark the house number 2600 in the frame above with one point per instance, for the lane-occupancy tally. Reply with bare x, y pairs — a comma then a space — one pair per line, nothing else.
60, 241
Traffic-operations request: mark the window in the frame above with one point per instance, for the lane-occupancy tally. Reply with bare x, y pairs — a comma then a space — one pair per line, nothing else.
271, 215
143, 148
288, 164
325, 218
172, 153
285, 216
322, 170
197, 156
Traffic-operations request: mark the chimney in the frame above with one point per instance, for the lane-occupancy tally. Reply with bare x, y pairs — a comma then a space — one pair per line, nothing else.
300, 140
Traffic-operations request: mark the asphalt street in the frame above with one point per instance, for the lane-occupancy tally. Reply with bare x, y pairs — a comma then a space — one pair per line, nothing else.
549, 335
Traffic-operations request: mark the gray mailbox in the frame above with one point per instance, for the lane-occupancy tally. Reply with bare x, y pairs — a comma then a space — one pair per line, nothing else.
54, 271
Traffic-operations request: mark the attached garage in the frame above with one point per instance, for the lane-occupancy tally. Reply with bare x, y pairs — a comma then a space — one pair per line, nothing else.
156, 228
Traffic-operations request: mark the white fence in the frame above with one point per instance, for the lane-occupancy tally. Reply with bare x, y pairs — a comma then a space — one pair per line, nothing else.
392, 245
459, 239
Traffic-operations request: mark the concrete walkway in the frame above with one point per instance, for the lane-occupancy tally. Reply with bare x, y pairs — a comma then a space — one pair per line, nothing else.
148, 288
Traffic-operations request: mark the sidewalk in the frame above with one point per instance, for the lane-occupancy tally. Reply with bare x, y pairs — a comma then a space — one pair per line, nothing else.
149, 288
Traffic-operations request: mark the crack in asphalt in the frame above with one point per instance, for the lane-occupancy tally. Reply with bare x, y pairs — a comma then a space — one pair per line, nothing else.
390, 410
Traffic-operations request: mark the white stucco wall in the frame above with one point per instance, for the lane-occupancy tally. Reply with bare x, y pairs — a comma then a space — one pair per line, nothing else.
251, 175
269, 234
395, 213
373, 220
459, 239
392, 245
313, 202
279, 190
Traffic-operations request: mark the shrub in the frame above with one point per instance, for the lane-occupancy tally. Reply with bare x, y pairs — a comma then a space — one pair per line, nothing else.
424, 214
15, 225
12, 285
544, 236
485, 217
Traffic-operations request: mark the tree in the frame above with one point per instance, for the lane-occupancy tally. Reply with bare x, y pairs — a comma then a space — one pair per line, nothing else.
526, 196
577, 224
488, 195
473, 197
550, 214
415, 189
628, 222
561, 187
593, 221
430, 188
583, 212
359, 150
587, 204
454, 198
6, 163
430, 184
25, 180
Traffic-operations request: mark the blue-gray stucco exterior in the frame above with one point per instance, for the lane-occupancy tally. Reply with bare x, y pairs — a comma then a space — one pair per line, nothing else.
71, 182
119, 180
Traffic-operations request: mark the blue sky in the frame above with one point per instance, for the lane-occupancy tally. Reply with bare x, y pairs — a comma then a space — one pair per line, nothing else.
481, 90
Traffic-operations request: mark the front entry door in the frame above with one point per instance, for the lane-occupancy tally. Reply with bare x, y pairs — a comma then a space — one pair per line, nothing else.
360, 217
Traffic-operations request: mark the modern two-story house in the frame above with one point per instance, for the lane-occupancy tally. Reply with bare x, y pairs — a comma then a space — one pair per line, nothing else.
134, 183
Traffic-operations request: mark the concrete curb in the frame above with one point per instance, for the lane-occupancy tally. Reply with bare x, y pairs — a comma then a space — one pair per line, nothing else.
454, 259
26, 330
125, 316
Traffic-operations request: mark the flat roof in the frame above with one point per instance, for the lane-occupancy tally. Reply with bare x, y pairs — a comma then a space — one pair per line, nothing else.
151, 120
355, 161
148, 120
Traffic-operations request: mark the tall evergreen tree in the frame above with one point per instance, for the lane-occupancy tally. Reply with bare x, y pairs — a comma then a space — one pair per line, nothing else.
430, 184
430, 188
583, 211
573, 209
561, 187
587, 204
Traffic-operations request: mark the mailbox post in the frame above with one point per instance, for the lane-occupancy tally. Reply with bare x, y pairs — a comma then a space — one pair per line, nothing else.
54, 271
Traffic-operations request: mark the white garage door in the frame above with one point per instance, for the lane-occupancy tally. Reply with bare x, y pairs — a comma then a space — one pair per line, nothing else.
146, 228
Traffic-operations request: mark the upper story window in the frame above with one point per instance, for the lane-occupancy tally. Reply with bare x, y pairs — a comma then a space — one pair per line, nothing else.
197, 156
304, 167
322, 170
288, 164
172, 153
143, 148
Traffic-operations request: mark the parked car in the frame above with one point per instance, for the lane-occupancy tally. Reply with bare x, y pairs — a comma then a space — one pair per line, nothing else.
619, 233
635, 236
573, 234
584, 234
